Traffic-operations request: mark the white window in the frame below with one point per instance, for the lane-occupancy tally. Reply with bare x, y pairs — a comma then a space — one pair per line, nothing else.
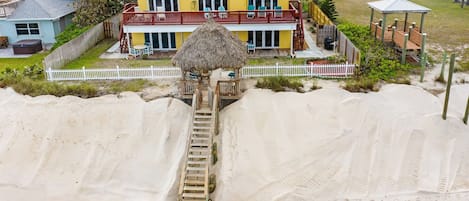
27, 29
264, 39
161, 41
269, 4
168, 5
212, 4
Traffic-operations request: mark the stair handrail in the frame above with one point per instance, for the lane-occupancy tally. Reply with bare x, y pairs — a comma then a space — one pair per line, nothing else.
195, 103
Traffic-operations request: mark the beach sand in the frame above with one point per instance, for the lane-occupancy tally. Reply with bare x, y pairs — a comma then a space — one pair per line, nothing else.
106, 148
334, 145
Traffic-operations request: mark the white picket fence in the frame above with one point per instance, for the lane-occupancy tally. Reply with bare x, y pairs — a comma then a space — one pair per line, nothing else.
114, 73
322, 71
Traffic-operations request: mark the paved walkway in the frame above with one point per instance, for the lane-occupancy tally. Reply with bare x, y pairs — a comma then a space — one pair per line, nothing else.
313, 51
8, 53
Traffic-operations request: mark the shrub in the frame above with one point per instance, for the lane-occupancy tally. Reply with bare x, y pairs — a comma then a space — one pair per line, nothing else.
328, 7
212, 183
72, 31
360, 85
315, 85
128, 85
279, 84
214, 153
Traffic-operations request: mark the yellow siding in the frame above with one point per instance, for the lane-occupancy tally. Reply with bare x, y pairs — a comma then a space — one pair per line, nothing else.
237, 4
242, 35
285, 40
143, 5
138, 39
180, 40
188, 5
284, 4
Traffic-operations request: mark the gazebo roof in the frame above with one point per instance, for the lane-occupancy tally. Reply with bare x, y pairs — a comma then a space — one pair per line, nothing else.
398, 6
209, 47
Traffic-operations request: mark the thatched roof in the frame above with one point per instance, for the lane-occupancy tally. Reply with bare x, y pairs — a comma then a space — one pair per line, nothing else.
209, 47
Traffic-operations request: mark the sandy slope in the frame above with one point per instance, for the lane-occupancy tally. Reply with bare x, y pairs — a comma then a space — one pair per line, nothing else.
331, 144
102, 149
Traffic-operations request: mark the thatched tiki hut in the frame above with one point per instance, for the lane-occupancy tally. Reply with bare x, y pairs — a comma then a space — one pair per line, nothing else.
209, 47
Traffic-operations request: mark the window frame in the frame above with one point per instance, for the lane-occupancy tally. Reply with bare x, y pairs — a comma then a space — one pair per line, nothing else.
28, 30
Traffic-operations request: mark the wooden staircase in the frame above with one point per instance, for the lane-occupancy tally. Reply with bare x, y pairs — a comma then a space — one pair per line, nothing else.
195, 173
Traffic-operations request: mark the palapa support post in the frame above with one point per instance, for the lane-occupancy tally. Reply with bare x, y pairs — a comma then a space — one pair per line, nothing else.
404, 49
371, 17
405, 21
443, 63
422, 68
448, 85
421, 22
467, 112
376, 30
422, 49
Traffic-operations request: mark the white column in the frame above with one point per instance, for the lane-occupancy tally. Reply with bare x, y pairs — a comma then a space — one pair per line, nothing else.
128, 40
291, 42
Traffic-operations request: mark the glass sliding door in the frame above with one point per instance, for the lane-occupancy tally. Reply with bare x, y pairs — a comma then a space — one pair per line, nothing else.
264, 39
168, 5
161, 41
212, 4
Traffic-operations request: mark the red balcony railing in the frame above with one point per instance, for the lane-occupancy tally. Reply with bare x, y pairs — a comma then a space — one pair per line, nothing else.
130, 17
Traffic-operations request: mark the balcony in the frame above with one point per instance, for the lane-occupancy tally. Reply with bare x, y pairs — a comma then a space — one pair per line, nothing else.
131, 17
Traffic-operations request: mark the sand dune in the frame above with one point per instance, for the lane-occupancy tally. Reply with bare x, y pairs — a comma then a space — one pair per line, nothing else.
106, 148
334, 145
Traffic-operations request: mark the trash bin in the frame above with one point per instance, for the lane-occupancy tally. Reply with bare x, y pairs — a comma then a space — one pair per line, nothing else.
328, 43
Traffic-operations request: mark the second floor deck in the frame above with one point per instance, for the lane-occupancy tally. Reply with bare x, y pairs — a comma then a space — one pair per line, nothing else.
133, 17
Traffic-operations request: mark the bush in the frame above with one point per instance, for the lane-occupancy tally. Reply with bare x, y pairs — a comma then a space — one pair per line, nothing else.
214, 153
72, 31
360, 85
279, 84
328, 8
315, 85
31, 82
128, 85
212, 183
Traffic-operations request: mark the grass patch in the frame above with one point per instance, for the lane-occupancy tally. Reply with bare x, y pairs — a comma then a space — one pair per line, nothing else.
360, 85
116, 87
280, 84
315, 85
90, 57
19, 63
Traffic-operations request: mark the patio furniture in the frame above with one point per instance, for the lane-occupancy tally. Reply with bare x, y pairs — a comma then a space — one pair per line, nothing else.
262, 12
231, 75
134, 52
222, 12
160, 16
251, 47
278, 11
208, 12
3, 41
251, 14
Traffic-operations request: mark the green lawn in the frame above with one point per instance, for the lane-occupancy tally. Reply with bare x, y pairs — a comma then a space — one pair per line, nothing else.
21, 62
446, 25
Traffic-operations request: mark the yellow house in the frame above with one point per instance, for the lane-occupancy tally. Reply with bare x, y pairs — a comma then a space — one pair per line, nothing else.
165, 24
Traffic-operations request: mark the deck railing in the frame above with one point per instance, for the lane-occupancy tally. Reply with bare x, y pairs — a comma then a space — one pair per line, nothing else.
132, 17
229, 87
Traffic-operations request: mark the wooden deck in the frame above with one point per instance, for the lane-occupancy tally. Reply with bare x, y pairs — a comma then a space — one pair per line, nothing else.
133, 17
413, 43
228, 89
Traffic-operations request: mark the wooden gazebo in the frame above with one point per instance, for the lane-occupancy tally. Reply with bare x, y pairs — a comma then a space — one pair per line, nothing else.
209, 47
406, 36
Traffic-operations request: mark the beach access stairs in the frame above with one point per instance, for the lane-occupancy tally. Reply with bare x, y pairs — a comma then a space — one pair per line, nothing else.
194, 181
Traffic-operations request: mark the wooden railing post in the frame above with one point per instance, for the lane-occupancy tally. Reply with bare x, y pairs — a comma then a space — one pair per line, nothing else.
448, 85
404, 49
466, 114
443, 63
422, 68
393, 32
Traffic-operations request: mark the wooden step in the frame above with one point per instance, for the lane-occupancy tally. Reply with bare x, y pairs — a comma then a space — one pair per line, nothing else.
200, 138
201, 127
196, 162
196, 168
198, 149
201, 122
192, 182
195, 175
194, 188
203, 116
201, 132
197, 156
193, 195
199, 144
